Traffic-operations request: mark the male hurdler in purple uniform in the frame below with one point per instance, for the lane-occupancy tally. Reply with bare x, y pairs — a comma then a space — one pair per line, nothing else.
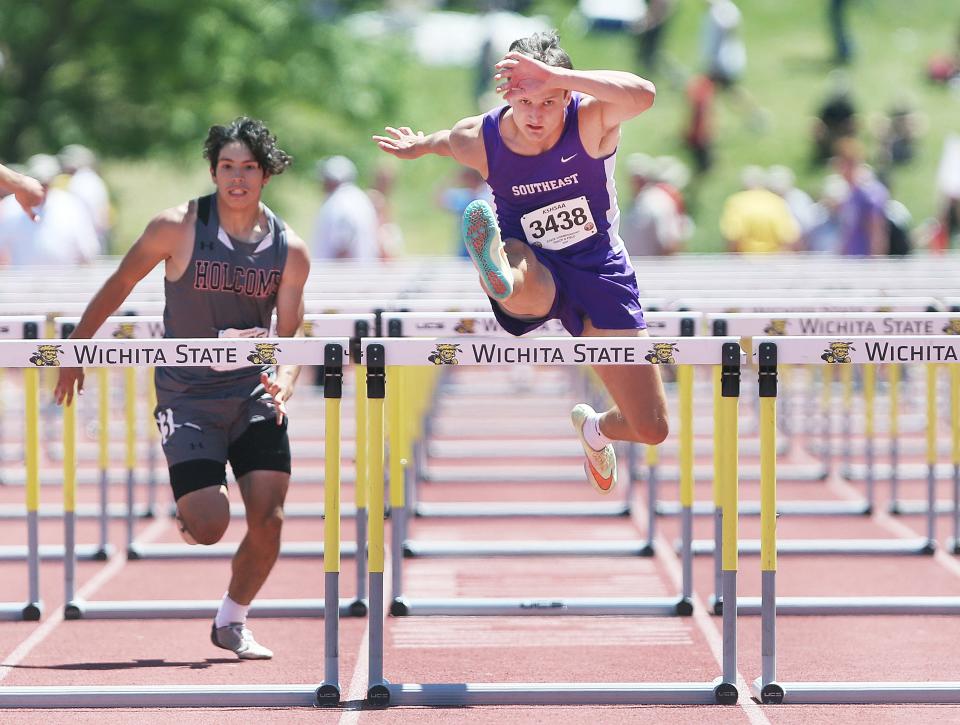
549, 156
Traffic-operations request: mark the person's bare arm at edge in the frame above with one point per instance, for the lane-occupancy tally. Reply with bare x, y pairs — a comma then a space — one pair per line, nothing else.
289, 319
158, 243
613, 96
28, 192
463, 142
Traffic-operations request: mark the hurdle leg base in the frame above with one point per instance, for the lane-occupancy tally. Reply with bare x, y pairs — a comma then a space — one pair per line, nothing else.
358, 608
133, 554
399, 607
770, 694
648, 550
378, 696
716, 605
929, 548
100, 555
148, 514
684, 608
32, 611
72, 611
408, 552
328, 694
725, 693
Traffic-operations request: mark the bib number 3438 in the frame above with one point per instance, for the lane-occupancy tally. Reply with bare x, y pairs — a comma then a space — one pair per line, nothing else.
559, 225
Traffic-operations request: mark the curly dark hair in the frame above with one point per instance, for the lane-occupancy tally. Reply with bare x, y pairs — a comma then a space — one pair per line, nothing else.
544, 47
255, 136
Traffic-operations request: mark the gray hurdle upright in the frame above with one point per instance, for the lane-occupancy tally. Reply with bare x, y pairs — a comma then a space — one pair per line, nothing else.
386, 352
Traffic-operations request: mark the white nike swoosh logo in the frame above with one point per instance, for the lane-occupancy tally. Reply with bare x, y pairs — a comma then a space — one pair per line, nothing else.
565, 160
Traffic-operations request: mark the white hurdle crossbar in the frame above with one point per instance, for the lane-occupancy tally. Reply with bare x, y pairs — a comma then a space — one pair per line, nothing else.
384, 352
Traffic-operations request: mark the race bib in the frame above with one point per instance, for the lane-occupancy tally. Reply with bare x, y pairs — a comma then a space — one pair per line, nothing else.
234, 332
559, 225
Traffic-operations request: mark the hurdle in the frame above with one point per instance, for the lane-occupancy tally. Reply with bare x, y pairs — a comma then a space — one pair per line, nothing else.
132, 352
484, 324
683, 323
867, 350
385, 352
128, 353
767, 688
843, 323
151, 327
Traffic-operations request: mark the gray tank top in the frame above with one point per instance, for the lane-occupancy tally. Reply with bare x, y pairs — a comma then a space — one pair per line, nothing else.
228, 289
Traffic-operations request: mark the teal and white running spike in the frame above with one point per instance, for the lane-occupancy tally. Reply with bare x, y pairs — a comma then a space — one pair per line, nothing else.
482, 239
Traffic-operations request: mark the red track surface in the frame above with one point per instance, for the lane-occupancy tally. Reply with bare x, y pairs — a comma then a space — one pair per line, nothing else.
500, 649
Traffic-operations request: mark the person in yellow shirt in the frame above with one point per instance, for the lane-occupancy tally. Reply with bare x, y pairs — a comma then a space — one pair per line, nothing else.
756, 220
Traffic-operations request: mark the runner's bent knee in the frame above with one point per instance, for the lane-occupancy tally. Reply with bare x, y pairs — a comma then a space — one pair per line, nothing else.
204, 514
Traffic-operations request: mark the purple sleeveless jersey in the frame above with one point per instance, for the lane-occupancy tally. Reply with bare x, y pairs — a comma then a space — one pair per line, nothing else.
563, 203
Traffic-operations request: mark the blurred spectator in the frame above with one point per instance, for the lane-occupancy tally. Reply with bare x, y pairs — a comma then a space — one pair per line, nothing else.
79, 164
824, 232
724, 54
898, 218
839, 31
650, 34
655, 223
945, 67
698, 135
756, 220
389, 234
725, 58
782, 182
28, 192
468, 185
945, 232
863, 222
64, 233
897, 134
346, 226
836, 119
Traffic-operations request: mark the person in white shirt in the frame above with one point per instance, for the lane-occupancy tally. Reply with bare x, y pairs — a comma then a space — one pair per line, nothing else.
347, 225
655, 224
85, 183
63, 234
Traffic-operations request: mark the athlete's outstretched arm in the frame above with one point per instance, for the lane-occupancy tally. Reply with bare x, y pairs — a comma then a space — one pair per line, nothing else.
28, 191
289, 318
463, 142
622, 95
155, 245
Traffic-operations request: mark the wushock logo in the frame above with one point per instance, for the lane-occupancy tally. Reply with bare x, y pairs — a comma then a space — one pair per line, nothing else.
838, 352
662, 353
264, 353
445, 353
47, 356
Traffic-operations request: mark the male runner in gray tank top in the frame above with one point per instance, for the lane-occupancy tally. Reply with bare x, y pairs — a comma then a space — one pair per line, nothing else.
230, 263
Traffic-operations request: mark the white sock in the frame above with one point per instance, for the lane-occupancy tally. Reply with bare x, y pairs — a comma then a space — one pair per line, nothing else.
591, 432
230, 612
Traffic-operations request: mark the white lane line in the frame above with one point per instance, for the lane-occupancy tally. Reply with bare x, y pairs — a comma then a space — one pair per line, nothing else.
357, 689
898, 528
113, 566
664, 553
